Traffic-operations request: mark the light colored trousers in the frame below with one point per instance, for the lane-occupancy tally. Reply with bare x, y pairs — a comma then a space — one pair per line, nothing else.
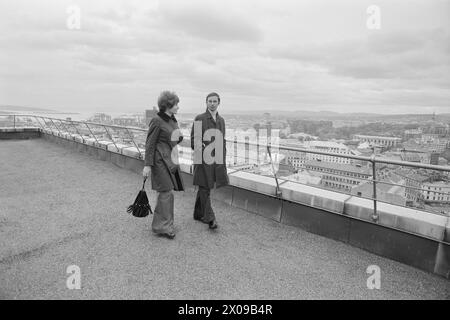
163, 215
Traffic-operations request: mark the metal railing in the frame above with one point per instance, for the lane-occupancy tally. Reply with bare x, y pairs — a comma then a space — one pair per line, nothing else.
62, 126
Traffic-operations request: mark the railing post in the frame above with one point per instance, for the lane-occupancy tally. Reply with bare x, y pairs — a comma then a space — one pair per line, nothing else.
64, 126
82, 139
132, 139
14, 117
374, 179
92, 133
111, 138
37, 120
55, 125
277, 191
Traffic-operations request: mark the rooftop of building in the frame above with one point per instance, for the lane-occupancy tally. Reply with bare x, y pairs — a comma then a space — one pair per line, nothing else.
439, 184
387, 187
376, 137
325, 144
61, 207
339, 166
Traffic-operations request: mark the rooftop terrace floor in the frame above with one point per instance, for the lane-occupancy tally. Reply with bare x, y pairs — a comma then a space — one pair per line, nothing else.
59, 207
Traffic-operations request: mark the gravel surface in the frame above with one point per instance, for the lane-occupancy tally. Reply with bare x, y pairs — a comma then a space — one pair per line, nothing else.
60, 208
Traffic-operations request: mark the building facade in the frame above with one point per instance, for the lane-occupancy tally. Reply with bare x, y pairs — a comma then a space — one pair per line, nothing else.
378, 140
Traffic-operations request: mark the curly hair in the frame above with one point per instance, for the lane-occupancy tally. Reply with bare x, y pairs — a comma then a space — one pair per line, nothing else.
166, 100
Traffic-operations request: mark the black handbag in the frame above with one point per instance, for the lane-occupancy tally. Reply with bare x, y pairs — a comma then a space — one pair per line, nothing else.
140, 208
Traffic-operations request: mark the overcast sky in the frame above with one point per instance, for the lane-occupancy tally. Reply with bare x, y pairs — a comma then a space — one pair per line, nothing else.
258, 54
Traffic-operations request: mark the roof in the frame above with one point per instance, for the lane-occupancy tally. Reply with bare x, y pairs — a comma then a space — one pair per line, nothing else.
410, 156
339, 167
376, 137
82, 220
443, 184
367, 187
326, 144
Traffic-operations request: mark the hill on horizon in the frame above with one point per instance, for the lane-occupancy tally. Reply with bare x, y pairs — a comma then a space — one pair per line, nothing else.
23, 108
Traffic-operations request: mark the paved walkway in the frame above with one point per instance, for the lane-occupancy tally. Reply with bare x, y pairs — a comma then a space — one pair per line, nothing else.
60, 208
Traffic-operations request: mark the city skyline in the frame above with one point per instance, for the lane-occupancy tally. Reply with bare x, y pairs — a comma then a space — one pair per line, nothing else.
313, 56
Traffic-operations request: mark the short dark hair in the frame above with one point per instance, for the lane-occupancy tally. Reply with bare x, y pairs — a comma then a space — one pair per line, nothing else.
213, 94
166, 100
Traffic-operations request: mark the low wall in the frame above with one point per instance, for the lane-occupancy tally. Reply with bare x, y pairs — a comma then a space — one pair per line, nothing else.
19, 133
413, 237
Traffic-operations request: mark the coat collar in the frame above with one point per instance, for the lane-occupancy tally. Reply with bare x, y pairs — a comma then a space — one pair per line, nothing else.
209, 115
165, 117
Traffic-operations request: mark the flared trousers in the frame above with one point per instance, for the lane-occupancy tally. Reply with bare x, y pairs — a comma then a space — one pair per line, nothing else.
163, 215
203, 209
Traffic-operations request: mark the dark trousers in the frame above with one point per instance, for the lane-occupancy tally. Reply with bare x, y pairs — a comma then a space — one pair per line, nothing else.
203, 209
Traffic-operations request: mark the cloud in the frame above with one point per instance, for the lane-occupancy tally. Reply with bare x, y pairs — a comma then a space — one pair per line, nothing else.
401, 55
258, 54
209, 22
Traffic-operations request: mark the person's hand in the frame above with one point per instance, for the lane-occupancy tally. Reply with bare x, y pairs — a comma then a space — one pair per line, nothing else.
146, 171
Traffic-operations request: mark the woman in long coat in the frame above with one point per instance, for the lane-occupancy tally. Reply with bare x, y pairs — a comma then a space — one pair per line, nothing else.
165, 172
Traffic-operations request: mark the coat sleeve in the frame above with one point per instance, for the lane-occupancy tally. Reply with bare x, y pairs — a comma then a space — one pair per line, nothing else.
150, 143
192, 133
224, 142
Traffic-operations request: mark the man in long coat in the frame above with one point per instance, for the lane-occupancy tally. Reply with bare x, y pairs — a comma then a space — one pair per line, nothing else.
209, 158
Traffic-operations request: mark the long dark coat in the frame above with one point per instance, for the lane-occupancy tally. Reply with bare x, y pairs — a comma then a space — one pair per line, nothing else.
205, 175
166, 174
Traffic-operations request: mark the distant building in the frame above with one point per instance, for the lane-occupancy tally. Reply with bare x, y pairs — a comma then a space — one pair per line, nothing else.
339, 176
434, 158
125, 121
442, 161
413, 182
429, 137
410, 156
386, 192
377, 140
101, 118
298, 159
437, 192
413, 134
304, 177
435, 128
302, 136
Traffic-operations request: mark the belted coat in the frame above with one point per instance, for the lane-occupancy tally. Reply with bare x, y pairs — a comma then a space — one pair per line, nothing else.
205, 175
165, 171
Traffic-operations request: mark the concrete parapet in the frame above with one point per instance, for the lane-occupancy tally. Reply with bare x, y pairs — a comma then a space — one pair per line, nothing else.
116, 147
19, 133
253, 182
256, 202
407, 248
103, 144
442, 265
410, 220
90, 141
133, 152
447, 231
315, 220
314, 197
